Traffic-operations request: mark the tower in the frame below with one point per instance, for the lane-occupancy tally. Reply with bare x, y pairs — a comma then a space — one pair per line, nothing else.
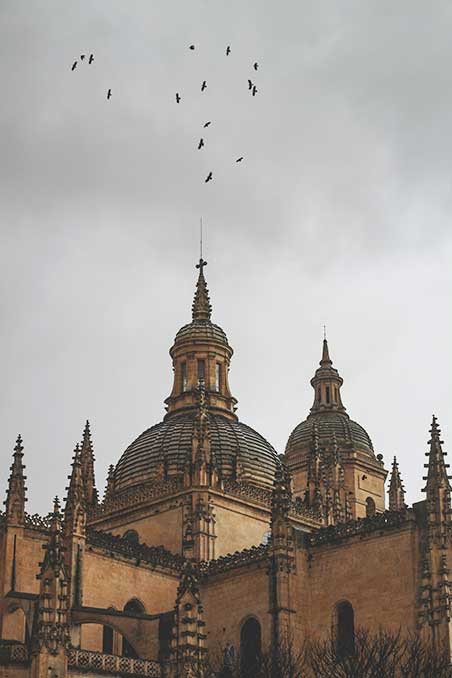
350, 476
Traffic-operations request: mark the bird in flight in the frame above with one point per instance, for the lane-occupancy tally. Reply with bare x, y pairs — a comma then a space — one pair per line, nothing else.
228, 50
209, 178
201, 143
74, 66
250, 84
192, 47
207, 123
91, 58
254, 90
177, 97
203, 86
255, 65
109, 94
82, 56
239, 159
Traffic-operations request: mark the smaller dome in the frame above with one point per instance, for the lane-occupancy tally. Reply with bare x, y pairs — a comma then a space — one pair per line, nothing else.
201, 330
348, 433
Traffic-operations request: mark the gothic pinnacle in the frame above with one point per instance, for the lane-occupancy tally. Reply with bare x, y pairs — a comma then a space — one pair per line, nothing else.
396, 490
87, 466
15, 496
201, 308
326, 360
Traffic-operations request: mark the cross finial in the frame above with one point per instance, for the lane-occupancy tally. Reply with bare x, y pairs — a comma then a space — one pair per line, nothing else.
201, 264
324, 331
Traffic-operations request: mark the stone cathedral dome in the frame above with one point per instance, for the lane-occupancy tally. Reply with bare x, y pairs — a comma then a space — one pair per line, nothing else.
201, 356
327, 420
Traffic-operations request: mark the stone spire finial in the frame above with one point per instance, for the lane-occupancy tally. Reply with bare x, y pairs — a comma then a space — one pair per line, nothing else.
15, 495
327, 383
201, 308
396, 490
326, 360
87, 466
75, 508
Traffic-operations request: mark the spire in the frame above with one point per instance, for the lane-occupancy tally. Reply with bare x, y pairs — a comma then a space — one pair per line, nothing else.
326, 360
327, 384
74, 510
15, 495
437, 488
201, 308
396, 490
87, 466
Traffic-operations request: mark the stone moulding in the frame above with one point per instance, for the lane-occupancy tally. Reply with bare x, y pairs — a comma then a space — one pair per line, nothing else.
135, 496
91, 662
234, 560
388, 520
154, 555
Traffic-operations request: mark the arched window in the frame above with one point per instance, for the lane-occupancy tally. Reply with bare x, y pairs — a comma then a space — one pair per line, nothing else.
132, 535
345, 630
250, 648
133, 606
370, 507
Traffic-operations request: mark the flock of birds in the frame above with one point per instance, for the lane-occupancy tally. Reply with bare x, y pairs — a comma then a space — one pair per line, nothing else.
251, 87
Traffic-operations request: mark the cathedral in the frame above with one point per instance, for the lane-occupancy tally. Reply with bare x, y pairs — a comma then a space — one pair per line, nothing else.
208, 543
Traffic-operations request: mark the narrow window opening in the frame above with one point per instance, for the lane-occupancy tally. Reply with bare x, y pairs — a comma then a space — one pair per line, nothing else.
328, 395
183, 373
201, 370
345, 631
107, 640
319, 395
370, 507
218, 377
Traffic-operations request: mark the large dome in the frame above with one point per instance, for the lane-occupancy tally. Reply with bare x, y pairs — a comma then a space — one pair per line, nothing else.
236, 448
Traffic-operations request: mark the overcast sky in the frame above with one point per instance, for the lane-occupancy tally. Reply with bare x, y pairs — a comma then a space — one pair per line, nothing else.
339, 214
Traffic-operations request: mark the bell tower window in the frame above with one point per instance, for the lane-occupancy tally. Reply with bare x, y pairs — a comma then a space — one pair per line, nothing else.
201, 370
183, 377
218, 377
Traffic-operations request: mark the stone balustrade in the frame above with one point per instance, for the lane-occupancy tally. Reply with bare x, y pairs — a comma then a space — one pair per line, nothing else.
87, 661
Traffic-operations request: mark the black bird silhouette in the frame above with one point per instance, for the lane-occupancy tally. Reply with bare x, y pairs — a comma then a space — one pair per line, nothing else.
207, 123
177, 97
74, 65
201, 143
254, 90
109, 94
192, 47
209, 178
203, 86
91, 58
250, 84
239, 159
228, 50
255, 65
82, 56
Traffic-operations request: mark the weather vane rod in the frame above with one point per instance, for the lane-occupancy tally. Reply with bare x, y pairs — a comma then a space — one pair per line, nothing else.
200, 238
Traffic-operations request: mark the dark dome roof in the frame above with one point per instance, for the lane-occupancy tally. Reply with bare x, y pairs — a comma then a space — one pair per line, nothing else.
232, 443
201, 330
348, 433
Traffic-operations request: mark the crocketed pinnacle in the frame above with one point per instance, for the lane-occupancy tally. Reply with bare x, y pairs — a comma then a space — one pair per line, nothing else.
396, 490
201, 308
87, 466
437, 477
15, 497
